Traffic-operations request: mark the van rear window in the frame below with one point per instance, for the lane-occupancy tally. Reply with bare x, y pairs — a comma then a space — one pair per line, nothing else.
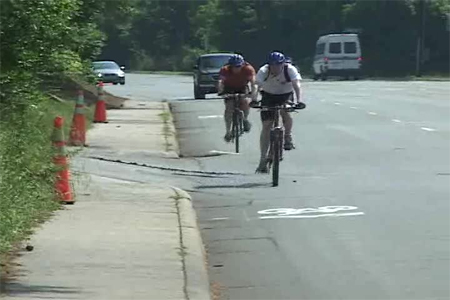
350, 47
335, 48
320, 49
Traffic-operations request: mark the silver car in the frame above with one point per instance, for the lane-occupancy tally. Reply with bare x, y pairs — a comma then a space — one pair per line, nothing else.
109, 72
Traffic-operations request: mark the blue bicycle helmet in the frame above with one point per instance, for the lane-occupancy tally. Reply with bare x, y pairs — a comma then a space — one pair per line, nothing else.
276, 58
236, 60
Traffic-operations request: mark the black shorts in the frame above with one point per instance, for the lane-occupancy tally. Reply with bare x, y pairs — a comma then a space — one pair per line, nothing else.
272, 100
230, 90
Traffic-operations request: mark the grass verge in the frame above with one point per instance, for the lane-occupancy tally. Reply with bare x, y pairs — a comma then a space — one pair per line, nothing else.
27, 177
165, 116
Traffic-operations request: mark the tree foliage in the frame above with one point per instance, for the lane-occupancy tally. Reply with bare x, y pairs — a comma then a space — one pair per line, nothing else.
49, 35
167, 34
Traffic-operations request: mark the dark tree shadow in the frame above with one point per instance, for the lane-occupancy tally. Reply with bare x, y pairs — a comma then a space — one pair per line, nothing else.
234, 186
39, 291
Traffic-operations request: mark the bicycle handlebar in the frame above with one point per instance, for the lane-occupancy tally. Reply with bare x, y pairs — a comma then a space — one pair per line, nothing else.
234, 95
286, 106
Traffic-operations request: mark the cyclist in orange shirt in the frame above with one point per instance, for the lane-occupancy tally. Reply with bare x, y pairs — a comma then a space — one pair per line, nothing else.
234, 79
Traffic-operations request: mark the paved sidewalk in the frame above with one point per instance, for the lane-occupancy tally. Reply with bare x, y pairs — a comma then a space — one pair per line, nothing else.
121, 239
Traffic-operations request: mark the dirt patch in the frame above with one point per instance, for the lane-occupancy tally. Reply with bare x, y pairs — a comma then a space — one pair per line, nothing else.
72, 85
9, 267
217, 290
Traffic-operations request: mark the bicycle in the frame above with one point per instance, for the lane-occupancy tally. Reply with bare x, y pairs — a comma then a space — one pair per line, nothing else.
237, 127
276, 145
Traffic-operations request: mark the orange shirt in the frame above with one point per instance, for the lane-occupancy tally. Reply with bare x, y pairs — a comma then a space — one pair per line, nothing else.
237, 80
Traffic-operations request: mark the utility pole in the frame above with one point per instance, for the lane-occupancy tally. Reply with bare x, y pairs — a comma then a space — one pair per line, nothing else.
420, 39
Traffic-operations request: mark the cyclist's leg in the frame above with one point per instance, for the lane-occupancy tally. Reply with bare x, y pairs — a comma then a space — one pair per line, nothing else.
228, 117
245, 107
264, 141
288, 123
264, 147
229, 109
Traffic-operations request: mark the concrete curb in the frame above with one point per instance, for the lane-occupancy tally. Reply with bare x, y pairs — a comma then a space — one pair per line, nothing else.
172, 133
197, 281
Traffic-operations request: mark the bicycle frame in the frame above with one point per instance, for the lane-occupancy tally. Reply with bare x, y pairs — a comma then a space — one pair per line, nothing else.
238, 117
276, 146
275, 153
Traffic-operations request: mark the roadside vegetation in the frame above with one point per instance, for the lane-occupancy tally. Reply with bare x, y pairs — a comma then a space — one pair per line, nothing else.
44, 45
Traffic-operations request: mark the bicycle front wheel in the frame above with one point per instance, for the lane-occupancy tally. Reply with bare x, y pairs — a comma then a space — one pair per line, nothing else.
276, 161
236, 131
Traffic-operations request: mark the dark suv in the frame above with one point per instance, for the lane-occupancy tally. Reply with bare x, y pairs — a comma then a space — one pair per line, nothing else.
206, 73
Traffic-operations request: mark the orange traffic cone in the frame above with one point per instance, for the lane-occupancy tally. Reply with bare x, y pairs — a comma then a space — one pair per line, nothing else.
100, 107
62, 184
77, 135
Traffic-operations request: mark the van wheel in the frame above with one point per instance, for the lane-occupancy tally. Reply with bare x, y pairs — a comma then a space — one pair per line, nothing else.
198, 93
315, 77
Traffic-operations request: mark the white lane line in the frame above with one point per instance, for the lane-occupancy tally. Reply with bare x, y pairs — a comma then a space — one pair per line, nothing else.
210, 117
223, 152
219, 219
246, 216
372, 113
353, 107
427, 129
313, 216
396, 121
337, 103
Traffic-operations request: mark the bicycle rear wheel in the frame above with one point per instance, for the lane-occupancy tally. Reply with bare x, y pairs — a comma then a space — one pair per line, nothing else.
241, 122
236, 130
276, 160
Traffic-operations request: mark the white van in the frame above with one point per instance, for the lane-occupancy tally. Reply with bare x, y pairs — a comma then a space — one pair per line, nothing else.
337, 55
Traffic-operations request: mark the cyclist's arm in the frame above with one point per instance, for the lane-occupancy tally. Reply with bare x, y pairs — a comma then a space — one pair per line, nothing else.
298, 90
253, 89
222, 76
259, 80
220, 87
296, 78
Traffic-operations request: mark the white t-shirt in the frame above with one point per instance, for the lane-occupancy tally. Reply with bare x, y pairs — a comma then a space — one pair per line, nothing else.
277, 84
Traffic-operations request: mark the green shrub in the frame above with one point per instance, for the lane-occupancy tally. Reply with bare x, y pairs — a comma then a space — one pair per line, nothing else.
27, 172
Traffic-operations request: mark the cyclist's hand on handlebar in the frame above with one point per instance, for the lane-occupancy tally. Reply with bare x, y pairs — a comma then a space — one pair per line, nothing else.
254, 103
300, 105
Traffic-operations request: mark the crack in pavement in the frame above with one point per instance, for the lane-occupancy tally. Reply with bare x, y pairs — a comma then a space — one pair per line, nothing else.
161, 168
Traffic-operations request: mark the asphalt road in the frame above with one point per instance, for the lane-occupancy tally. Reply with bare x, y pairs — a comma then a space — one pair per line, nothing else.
362, 210
142, 87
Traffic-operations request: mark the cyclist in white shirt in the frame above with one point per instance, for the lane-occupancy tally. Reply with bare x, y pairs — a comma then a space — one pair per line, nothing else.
278, 81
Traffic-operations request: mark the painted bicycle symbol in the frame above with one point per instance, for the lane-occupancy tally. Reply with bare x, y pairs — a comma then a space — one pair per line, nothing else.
305, 213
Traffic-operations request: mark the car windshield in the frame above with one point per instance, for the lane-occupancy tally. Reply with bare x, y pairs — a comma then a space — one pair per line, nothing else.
213, 62
105, 65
